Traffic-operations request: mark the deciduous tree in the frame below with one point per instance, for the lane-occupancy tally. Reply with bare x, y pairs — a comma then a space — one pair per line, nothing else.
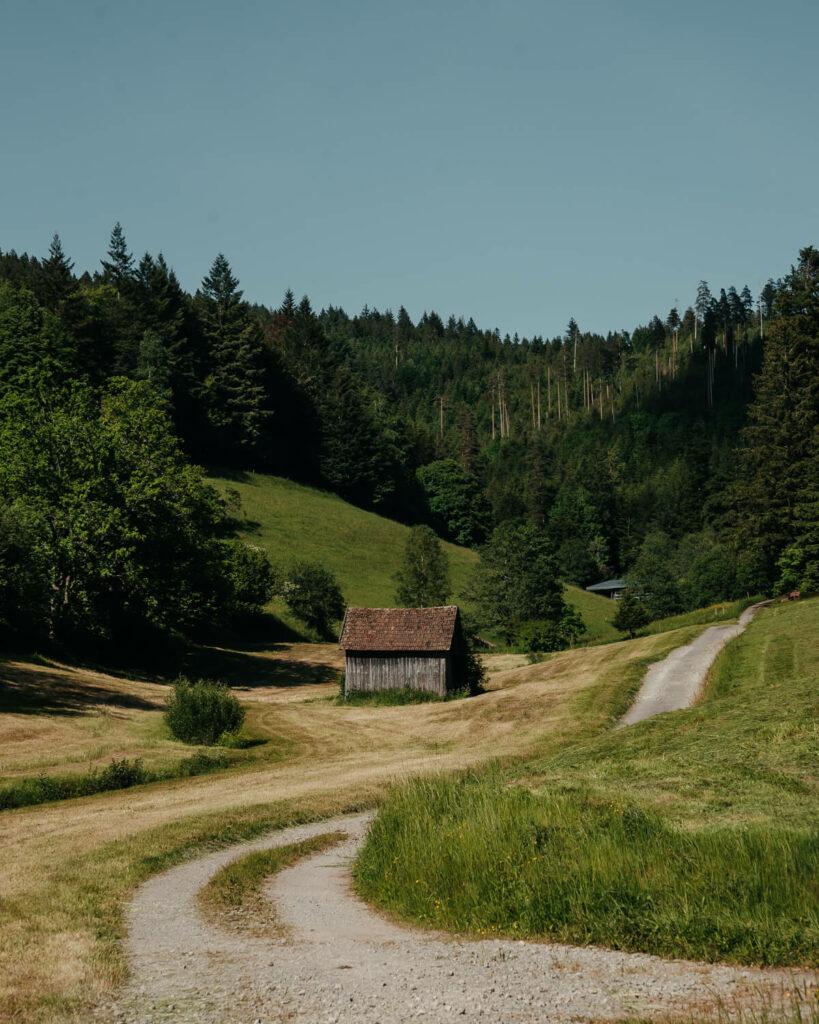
423, 579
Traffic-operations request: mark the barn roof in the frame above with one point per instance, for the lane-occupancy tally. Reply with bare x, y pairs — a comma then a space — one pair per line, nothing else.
399, 629
607, 585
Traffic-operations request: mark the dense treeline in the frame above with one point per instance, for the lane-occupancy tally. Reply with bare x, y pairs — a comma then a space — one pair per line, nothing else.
632, 452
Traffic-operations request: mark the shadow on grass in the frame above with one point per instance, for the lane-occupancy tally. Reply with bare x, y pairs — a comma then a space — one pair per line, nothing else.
48, 691
250, 670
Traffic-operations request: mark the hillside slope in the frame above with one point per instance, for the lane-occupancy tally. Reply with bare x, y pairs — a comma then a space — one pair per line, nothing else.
362, 550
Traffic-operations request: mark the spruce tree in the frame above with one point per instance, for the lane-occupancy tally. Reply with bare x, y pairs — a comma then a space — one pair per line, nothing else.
119, 314
349, 461
118, 269
776, 495
233, 393
630, 615
58, 286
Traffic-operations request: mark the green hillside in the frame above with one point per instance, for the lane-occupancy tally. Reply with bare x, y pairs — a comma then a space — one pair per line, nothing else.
362, 549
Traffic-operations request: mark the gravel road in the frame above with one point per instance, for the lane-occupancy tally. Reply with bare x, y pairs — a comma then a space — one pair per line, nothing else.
677, 681
342, 962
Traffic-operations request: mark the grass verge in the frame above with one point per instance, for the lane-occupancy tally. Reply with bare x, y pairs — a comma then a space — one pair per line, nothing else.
119, 774
693, 834
233, 898
703, 616
474, 855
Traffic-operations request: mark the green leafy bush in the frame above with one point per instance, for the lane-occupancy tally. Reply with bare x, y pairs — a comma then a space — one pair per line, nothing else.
313, 595
203, 711
550, 635
122, 774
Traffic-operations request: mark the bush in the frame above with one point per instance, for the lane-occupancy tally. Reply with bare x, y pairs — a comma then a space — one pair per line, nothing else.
468, 671
630, 615
552, 635
313, 595
203, 712
253, 577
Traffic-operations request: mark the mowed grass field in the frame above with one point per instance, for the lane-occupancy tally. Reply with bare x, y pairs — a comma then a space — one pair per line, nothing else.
363, 550
694, 834
70, 867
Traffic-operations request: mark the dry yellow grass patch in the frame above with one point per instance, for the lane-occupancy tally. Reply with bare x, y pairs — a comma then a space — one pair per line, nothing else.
75, 863
55, 717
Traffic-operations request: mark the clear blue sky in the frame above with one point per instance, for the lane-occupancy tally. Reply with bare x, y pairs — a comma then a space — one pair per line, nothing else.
519, 162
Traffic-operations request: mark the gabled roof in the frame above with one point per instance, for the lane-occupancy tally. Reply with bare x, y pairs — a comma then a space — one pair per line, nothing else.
608, 585
399, 629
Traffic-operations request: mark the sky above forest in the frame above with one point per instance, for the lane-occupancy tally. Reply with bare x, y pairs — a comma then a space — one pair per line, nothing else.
520, 162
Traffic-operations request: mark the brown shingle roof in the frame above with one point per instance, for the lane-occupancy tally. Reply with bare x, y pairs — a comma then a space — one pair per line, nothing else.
399, 629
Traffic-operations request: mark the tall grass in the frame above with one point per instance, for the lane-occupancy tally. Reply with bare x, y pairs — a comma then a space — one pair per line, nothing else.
475, 855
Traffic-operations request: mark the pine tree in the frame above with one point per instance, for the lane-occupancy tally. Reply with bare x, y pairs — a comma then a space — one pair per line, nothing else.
233, 393
163, 311
118, 269
630, 615
775, 495
58, 288
703, 303
349, 460
468, 447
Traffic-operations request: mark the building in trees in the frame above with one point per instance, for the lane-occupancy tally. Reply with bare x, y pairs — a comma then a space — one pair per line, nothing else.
609, 588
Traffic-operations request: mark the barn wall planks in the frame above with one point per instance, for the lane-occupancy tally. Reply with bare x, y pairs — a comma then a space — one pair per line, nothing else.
372, 670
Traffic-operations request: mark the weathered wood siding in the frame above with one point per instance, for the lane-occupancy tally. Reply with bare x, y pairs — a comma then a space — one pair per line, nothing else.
376, 670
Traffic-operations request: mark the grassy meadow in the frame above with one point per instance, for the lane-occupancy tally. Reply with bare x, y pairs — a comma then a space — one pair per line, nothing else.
77, 862
292, 522
693, 834
363, 550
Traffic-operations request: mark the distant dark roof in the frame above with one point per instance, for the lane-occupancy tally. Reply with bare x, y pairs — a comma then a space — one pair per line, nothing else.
608, 585
399, 629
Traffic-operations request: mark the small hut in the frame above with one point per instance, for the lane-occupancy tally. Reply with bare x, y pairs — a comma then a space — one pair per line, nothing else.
390, 648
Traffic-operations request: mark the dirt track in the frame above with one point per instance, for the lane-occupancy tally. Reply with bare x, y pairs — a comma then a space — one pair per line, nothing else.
677, 681
342, 962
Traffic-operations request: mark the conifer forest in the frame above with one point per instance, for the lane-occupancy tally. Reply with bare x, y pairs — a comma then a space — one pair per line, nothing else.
684, 452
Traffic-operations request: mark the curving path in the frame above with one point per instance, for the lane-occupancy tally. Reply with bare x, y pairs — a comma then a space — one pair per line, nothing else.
344, 963
677, 681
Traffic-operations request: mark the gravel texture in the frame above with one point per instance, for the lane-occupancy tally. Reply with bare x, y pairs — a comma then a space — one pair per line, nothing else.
677, 681
342, 962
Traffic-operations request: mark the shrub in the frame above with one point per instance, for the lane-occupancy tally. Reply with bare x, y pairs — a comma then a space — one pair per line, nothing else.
631, 615
550, 634
313, 595
254, 579
468, 671
202, 711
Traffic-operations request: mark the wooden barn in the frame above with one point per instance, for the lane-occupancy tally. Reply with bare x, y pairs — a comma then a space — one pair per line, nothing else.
390, 648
